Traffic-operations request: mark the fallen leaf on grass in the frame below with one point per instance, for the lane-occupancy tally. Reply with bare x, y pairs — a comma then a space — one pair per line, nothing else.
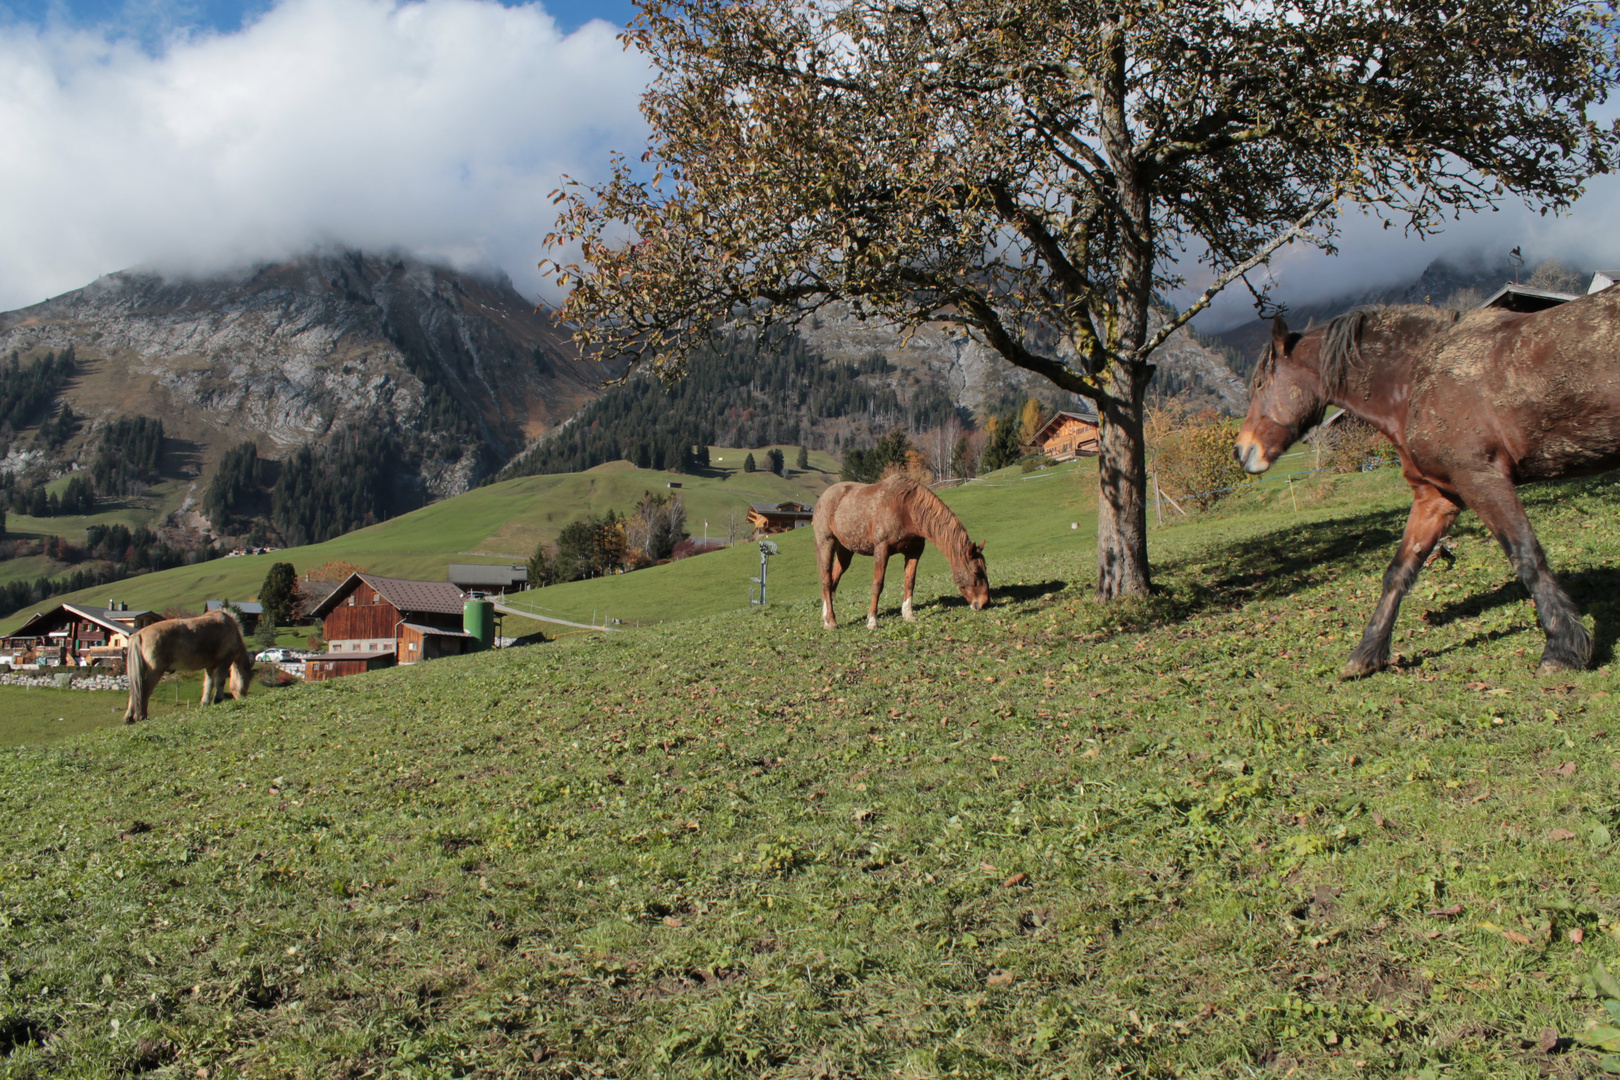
998, 757
1515, 937
1560, 834
1379, 820
1015, 880
1566, 769
1548, 1041
1447, 912
999, 978
670, 920
1577, 935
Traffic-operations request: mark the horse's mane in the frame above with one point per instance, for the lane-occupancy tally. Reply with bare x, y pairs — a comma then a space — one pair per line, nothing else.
936, 519
1342, 339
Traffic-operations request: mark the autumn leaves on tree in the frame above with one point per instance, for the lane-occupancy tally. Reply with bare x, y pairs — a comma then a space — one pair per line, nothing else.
1038, 171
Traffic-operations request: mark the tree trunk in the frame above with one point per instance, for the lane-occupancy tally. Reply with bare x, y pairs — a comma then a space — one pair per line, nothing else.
1122, 556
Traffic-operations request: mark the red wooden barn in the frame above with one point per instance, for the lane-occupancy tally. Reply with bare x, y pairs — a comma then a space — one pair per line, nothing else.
371, 622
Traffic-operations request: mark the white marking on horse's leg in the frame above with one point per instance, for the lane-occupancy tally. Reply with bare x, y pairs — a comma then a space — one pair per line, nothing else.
905, 610
826, 612
871, 622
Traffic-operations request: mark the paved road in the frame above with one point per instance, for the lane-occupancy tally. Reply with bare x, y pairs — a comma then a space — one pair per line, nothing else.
521, 613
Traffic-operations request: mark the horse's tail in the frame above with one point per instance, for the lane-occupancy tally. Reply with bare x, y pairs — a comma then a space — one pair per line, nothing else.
241, 668
135, 673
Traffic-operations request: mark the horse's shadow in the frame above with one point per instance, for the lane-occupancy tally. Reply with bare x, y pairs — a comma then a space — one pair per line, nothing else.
1015, 594
1284, 561
1589, 588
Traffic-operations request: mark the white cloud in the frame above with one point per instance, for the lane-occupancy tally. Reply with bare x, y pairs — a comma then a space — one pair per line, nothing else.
1372, 257
439, 126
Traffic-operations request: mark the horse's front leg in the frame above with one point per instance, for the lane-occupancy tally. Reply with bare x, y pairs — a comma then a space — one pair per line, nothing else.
913, 554
1491, 496
210, 693
1432, 514
880, 564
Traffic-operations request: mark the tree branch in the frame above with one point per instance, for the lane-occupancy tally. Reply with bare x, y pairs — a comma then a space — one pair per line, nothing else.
1231, 275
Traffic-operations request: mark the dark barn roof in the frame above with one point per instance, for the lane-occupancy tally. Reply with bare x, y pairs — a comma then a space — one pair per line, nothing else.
435, 597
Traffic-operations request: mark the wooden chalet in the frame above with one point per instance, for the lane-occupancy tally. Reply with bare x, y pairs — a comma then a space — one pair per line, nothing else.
1069, 435
370, 621
73, 634
768, 518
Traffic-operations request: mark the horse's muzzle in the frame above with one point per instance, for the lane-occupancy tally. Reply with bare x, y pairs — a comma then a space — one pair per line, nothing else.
1251, 455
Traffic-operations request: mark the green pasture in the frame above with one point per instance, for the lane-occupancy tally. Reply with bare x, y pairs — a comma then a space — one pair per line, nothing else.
1049, 839
499, 523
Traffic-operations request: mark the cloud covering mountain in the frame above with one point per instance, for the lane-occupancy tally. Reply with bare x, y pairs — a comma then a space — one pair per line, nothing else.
198, 135
438, 126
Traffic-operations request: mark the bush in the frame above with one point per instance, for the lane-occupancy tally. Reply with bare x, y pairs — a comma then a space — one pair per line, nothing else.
1192, 455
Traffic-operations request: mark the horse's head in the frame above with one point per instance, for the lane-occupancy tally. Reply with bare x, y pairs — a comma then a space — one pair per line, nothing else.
971, 578
1285, 398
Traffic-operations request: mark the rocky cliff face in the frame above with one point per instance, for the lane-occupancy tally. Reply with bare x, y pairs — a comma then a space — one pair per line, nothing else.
460, 366
977, 378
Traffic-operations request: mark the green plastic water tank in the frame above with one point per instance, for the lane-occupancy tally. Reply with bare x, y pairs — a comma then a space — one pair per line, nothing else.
478, 619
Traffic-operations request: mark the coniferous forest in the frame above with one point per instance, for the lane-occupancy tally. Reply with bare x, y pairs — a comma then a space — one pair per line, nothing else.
740, 392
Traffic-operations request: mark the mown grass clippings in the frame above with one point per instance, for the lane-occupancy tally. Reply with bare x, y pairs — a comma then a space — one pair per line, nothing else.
1046, 839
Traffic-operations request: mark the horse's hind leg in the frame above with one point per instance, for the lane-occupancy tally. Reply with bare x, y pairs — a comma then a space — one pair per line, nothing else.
1569, 646
833, 560
1432, 514
210, 691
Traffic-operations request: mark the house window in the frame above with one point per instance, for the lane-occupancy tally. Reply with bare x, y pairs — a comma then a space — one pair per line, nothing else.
413, 646
351, 600
373, 646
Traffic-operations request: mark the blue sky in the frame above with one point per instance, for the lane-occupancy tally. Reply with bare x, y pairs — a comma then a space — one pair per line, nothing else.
142, 17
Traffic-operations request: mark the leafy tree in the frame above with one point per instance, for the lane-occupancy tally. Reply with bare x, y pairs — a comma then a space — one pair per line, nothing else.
542, 567
278, 596
802, 462
1038, 171
748, 463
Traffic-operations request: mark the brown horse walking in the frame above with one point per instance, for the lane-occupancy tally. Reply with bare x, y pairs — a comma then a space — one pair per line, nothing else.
1475, 406
211, 642
881, 519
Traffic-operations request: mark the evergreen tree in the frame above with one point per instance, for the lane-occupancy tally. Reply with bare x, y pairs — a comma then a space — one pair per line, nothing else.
748, 463
278, 595
803, 461
774, 460
1005, 447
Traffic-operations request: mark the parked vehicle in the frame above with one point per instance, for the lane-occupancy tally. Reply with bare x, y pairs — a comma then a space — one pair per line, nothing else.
272, 656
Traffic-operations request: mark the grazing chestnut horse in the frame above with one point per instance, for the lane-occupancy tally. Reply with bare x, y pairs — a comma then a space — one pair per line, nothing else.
212, 642
1475, 406
894, 515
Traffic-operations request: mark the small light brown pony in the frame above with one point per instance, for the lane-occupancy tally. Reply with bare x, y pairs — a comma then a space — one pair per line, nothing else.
892, 516
212, 642
1475, 406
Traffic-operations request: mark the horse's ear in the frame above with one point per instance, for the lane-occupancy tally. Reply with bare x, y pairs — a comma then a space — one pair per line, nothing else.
977, 549
1279, 337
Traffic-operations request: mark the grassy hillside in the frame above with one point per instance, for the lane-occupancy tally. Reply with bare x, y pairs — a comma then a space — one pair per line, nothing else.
499, 523
1047, 839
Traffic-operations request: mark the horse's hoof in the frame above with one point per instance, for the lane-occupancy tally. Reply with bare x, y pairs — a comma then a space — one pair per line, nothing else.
871, 622
1552, 665
829, 624
1356, 669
